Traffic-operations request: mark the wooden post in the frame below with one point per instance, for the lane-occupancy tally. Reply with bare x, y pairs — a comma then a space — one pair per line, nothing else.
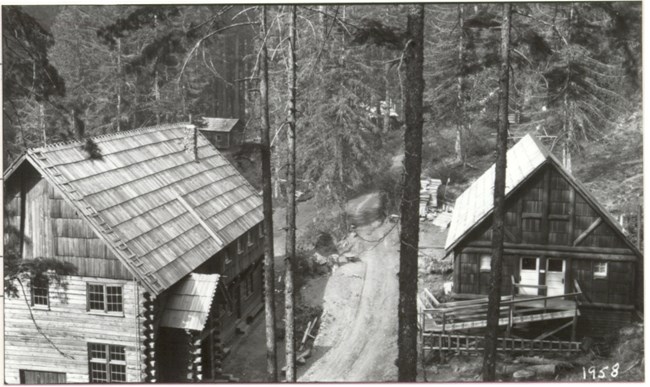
575, 319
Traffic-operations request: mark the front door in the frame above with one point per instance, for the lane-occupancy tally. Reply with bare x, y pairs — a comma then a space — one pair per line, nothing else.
529, 273
555, 270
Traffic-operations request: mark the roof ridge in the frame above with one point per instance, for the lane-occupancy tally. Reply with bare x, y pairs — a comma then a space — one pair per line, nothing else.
123, 133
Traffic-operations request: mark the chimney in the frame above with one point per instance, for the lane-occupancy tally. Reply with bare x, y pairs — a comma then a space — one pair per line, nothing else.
190, 141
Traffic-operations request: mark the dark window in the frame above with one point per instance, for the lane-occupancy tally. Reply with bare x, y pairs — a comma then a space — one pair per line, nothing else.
250, 237
106, 363
529, 264
240, 246
40, 291
555, 265
105, 298
260, 229
41, 377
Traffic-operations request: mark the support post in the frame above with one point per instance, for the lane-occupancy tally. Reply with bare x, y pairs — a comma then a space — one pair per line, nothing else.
149, 351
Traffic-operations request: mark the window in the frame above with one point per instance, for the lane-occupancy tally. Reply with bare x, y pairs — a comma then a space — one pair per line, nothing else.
240, 246
40, 291
105, 298
41, 377
226, 259
529, 264
600, 270
260, 230
106, 363
250, 238
486, 263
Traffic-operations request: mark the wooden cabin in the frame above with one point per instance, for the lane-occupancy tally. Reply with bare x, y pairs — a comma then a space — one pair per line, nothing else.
556, 234
167, 240
223, 132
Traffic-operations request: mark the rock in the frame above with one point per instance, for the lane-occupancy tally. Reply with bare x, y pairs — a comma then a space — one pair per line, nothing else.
523, 375
301, 361
319, 259
350, 257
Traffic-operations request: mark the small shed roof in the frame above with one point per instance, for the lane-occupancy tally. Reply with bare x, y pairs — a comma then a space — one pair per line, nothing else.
525, 158
224, 125
189, 302
161, 212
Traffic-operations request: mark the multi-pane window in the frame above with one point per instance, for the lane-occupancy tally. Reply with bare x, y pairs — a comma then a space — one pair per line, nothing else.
106, 363
40, 291
600, 270
105, 298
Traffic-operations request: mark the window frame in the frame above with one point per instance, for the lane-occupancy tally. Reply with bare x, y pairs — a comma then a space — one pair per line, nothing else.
480, 263
240, 247
33, 296
105, 301
598, 274
249, 238
107, 361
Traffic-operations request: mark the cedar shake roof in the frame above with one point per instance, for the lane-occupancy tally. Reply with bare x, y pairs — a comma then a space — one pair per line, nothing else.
225, 125
525, 158
161, 212
189, 302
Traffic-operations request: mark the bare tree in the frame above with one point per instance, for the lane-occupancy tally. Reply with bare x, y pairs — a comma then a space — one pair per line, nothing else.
409, 207
291, 207
494, 298
267, 192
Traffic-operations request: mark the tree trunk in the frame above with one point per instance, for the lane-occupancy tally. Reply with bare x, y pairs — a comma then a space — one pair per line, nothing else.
269, 274
494, 297
156, 95
119, 83
291, 208
460, 127
41, 122
386, 123
410, 222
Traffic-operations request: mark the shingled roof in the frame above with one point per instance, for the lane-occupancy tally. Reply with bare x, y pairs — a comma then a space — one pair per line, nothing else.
525, 158
215, 124
161, 212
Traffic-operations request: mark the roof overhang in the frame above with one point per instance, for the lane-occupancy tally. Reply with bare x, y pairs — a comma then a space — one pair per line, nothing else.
189, 302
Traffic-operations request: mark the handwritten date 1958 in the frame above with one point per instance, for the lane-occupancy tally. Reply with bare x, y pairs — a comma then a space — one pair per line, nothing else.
600, 373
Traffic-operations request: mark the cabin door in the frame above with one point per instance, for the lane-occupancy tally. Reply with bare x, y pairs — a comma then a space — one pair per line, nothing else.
555, 273
529, 274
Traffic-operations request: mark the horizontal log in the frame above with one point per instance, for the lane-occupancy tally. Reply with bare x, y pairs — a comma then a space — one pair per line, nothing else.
558, 254
551, 248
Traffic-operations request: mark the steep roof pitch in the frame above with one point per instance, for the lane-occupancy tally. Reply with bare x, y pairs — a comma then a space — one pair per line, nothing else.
160, 211
525, 158
224, 125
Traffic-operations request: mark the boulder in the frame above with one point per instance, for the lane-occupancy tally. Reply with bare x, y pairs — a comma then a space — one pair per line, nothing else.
522, 375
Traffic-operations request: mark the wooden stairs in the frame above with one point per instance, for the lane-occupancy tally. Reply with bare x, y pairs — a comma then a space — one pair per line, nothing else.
446, 326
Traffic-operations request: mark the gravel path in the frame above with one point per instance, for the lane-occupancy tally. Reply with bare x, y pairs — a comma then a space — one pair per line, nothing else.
362, 339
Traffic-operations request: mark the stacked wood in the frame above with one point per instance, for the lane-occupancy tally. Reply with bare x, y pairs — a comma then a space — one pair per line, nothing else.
149, 351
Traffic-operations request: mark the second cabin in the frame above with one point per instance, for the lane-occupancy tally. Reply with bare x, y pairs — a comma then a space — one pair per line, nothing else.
556, 236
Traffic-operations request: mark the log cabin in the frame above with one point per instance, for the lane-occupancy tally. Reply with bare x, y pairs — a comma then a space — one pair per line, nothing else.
556, 235
167, 240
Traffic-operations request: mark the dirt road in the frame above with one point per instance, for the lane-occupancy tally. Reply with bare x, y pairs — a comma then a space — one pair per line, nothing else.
360, 342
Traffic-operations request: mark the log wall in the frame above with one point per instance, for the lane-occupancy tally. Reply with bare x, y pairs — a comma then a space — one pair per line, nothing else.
70, 327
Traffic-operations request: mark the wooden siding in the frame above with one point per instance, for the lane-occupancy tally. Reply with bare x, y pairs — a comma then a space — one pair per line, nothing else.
54, 229
549, 212
70, 327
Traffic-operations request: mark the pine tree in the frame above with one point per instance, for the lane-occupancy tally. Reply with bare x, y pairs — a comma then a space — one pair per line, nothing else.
409, 207
498, 216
